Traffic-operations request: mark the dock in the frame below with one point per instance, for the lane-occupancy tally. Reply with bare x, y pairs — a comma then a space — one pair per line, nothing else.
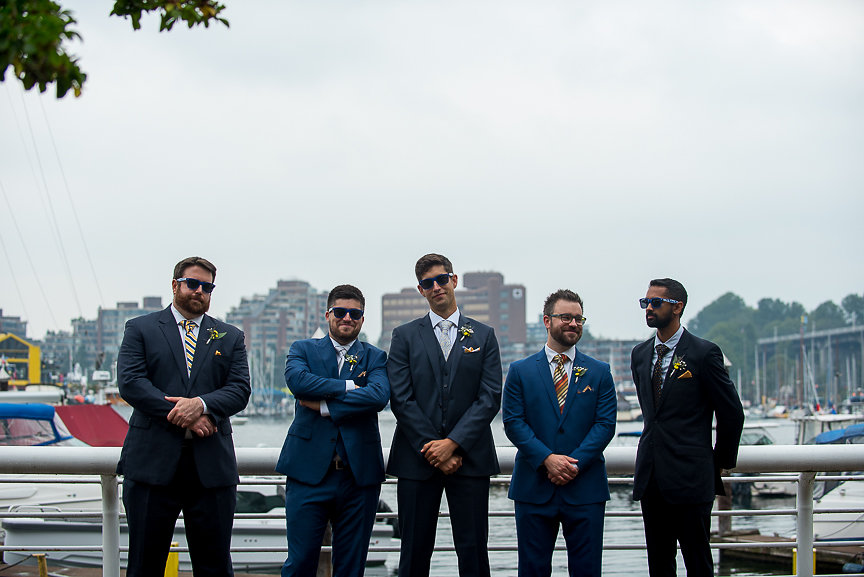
828, 559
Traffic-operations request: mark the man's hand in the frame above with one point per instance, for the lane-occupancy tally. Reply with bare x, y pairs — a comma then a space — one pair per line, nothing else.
561, 469
185, 411
203, 427
451, 465
314, 405
439, 451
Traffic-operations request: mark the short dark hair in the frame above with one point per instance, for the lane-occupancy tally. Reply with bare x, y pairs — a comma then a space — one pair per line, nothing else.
345, 291
427, 261
560, 295
180, 267
674, 289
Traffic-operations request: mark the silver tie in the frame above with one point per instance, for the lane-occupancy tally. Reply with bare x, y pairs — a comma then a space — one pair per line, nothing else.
340, 352
444, 339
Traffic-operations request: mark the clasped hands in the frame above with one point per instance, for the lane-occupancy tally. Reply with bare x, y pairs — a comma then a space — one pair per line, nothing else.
561, 469
439, 454
189, 414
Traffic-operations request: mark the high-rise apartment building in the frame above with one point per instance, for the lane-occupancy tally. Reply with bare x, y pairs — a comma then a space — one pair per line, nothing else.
13, 325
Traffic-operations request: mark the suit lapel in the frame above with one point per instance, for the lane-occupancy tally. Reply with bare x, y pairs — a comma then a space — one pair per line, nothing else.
202, 350
572, 385
347, 368
679, 352
327, 357
430, 343
545, 375
456, 351
170, 329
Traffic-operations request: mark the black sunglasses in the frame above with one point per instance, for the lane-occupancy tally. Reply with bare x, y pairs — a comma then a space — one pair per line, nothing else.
441, 279
656, 302
340, 312
194, 283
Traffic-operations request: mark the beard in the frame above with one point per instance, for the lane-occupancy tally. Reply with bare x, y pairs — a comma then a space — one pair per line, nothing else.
656, 322
195, 303
566, 338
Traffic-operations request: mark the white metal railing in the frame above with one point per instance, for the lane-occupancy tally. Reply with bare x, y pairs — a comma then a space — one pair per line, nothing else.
806, 460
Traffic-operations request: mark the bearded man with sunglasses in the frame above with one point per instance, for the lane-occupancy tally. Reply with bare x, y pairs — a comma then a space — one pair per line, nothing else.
332, 454
445, 376
682, 386
184, 373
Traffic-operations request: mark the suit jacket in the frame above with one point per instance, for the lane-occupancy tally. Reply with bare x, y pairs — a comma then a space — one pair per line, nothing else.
434, 399
536, 426
312, 374
150, 366
675, 446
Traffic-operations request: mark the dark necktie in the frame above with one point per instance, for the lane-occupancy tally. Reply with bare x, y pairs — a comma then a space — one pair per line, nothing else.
657, 375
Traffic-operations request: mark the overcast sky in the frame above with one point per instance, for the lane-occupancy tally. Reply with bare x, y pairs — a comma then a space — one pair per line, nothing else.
582, 145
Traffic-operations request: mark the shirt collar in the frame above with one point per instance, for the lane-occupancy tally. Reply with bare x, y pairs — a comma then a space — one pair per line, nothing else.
550, 354
337, 345
435, 318
178, 316
673, 340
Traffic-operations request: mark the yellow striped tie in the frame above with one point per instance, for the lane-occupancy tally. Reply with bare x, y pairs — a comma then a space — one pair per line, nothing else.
189, 343
561, 380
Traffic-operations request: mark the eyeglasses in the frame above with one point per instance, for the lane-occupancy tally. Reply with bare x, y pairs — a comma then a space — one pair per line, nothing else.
656, 302
441, 279
194, 283
568, 318
340, 312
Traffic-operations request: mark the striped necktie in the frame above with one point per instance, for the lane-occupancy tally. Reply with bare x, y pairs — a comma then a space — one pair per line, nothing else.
189, 343
561, 380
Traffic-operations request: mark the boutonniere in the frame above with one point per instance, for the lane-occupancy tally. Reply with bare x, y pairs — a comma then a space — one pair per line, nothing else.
470, 349
679, 365
214, 335
218, 353
351, 360
578, 372
465, 331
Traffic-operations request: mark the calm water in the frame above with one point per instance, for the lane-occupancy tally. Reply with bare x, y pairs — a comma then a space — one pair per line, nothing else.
270, 432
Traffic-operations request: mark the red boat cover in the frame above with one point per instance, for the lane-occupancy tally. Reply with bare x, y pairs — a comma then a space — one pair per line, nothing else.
96, 425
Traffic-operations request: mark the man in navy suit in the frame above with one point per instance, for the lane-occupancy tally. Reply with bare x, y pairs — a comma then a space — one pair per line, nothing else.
559, 412
445, 376
332, 453
682, 386
184, 373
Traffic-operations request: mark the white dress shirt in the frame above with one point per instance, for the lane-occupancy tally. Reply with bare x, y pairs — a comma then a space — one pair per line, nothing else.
671, 343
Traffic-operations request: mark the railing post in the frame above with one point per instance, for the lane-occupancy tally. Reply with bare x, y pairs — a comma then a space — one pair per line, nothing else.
804, 504
110, 527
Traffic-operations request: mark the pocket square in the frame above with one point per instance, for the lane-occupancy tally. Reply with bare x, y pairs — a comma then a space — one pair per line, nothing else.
686, 375
470, 349
587, 388
218, 353
363, 374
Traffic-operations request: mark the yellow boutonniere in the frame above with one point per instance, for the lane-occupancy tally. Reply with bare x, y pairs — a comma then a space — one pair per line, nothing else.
465, 331
351, 360
214, 335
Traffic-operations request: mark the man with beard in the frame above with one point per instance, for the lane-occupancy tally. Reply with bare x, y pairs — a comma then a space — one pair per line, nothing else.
682, 386
332, 453
559, 412
445, 372
184, 373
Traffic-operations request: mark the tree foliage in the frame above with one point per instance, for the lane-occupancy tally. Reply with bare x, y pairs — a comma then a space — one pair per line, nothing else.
34, 36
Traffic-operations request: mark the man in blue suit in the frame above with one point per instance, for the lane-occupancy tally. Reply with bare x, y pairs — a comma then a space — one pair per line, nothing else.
332, 453
445, 374
184, 373
559, 412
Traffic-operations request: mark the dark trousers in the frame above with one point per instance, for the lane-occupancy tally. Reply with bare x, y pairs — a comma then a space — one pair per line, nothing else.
152, 511
468, 502
350, 509
667, 524
537, 530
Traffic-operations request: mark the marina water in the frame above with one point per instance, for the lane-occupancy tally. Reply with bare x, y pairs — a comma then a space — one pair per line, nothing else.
270, 432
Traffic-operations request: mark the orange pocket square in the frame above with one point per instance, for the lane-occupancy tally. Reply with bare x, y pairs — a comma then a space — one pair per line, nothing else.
686, 375
470, 349
363, 374
218, 353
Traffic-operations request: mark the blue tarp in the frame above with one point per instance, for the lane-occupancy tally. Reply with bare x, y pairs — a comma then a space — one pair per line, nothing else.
840, 435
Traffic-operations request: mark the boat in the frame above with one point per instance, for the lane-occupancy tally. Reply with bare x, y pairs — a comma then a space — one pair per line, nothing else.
845, 495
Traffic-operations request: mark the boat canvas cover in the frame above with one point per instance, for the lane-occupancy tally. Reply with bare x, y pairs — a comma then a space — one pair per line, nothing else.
28, 425
96, 425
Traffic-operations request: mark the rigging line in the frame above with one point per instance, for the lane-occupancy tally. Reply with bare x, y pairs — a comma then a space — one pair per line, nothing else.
72, 204
29, 260
60, 246
9, 261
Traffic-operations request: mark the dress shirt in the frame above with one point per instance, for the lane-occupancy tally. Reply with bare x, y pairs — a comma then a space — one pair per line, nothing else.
349, 384
671, 343
178, 316
568, 366
435, 318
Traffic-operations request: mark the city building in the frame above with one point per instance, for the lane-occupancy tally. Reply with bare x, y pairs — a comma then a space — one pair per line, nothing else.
481, 295
13, 325
291, 311
19, 361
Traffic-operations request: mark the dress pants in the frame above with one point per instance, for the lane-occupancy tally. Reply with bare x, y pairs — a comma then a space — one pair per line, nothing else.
349, 508
468, 502
537, 530
687, 524
152, 512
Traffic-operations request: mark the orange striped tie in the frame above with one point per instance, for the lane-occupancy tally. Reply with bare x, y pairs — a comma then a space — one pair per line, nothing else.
561, 380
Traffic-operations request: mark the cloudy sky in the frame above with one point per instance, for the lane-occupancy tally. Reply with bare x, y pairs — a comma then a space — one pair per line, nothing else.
587, 145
